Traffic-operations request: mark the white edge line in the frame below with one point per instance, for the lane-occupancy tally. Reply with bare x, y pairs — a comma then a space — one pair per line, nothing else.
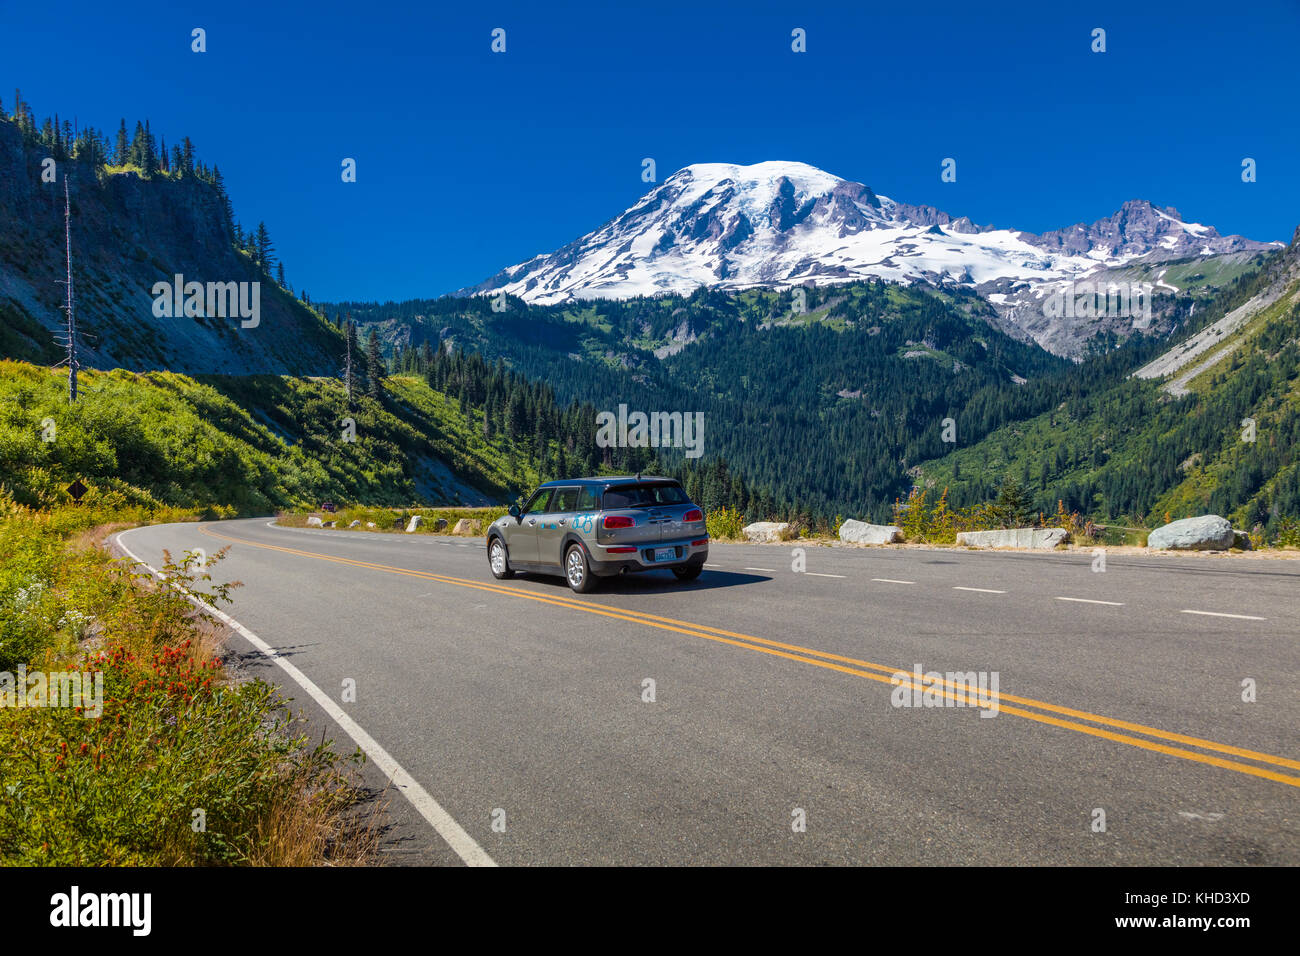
892, 581
455, 836
816, 574
1240, 617
980, 590
1091, 601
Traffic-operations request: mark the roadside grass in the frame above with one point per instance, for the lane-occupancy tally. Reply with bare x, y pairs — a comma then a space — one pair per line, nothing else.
186, 765
725, 524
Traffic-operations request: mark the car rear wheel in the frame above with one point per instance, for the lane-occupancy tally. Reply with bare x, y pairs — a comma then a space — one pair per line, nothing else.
499, 560
688, 573
576, 570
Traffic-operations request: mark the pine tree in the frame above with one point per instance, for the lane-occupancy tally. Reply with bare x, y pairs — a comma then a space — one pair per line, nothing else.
375, 372
136, 152
150, 164
227, 208
1013, 507
120, 154
264, 251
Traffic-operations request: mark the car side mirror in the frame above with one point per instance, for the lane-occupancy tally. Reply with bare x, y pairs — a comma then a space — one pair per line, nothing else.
513, 511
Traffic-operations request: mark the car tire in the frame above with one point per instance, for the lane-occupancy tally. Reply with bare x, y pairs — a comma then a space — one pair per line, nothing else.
499, 560
688, 573
577, 572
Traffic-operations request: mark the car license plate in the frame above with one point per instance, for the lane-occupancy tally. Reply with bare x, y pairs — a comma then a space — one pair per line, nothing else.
665, 554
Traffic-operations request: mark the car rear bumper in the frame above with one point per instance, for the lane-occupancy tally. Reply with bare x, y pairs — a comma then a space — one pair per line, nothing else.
607, 559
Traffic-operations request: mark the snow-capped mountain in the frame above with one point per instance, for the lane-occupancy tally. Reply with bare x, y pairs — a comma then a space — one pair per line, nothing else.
788, 223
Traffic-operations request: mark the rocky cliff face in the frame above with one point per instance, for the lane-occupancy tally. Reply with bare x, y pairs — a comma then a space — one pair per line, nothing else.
129, 233
1140, 228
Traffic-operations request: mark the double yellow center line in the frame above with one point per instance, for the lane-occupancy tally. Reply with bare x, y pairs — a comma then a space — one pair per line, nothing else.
1042, 712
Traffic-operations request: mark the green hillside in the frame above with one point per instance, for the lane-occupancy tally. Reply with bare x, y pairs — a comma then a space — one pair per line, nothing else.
1131, 451
245, 444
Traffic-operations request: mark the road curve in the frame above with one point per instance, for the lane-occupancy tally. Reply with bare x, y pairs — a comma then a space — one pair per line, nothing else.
518, 702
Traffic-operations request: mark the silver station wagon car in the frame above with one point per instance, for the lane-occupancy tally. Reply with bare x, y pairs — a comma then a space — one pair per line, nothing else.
591, 528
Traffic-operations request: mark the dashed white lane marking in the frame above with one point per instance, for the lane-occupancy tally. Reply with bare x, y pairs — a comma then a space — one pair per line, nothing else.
892, 581
1239, 617
455, 836
816, 574
980, 590
1091, 601
707, 565
768, 570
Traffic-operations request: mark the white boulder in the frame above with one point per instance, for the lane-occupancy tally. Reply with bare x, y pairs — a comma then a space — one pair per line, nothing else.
860, 532
1204, 533
1037, 538
766, 531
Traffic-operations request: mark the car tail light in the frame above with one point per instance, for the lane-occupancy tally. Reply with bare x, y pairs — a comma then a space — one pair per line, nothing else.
695, 514
617, 521
702, 541
621, 550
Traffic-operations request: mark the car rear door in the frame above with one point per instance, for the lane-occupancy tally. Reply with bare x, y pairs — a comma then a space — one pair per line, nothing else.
552, 525
671, 512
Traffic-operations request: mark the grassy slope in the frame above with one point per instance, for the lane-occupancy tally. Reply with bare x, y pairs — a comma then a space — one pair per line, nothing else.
243, 445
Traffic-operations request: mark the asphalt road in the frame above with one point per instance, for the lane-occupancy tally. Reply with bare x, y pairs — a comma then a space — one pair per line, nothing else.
519, 701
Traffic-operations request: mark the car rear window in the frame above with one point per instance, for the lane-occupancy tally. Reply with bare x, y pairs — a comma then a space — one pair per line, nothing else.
644, 495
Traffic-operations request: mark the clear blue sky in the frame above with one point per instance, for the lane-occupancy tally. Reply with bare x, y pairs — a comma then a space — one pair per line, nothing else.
470, 161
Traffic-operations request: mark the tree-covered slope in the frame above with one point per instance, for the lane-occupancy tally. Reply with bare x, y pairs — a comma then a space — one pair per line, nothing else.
1131, 450
827, 397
